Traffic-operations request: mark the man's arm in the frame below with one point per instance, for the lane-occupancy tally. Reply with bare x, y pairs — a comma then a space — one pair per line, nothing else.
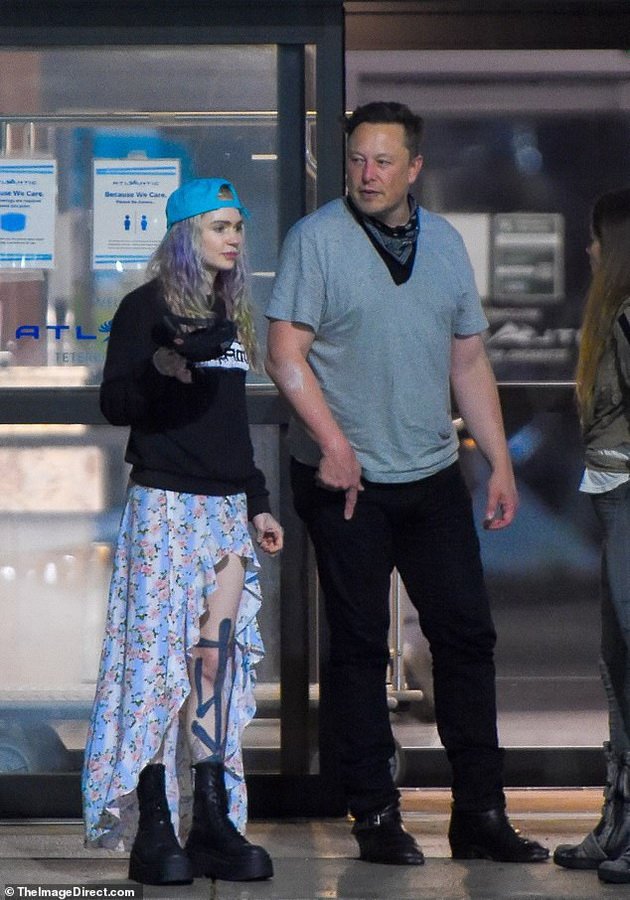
288, 344
477, 398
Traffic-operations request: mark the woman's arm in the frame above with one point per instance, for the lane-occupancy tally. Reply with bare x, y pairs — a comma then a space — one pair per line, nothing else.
131, 382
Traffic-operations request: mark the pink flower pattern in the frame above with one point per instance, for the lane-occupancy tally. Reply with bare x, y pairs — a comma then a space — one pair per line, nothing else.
163, 577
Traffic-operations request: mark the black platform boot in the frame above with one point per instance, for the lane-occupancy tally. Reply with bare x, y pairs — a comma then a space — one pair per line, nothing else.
489, 835
215, 846
156, 856
596, 846
383, 839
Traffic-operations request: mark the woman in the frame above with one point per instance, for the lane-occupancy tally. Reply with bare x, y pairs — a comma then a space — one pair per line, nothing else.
603, 392
175, 687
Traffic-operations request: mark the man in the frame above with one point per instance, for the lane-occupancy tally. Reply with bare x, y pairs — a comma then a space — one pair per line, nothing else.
374, 316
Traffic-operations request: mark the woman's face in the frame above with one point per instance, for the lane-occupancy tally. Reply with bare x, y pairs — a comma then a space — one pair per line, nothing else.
594, 251
221, 238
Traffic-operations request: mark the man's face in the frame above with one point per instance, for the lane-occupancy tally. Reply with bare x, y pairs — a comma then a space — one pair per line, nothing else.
380, 171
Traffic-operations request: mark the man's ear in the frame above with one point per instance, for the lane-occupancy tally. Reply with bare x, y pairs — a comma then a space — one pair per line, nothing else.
414, 168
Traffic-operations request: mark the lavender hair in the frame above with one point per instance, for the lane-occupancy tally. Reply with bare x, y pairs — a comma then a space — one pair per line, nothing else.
178, 265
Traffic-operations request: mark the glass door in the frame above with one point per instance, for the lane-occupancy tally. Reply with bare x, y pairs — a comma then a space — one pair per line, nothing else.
92, 140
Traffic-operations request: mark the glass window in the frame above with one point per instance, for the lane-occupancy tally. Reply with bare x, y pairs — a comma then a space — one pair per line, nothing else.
203, 111
63, 492
132, 122
517, 146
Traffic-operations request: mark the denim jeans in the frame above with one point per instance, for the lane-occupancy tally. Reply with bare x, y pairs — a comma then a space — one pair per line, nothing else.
613, 511
425, 529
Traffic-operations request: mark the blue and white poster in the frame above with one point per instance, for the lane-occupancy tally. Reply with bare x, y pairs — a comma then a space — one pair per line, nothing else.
129, 210
28, 200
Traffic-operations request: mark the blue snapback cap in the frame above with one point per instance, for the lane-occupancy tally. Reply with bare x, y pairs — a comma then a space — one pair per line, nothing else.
200, 196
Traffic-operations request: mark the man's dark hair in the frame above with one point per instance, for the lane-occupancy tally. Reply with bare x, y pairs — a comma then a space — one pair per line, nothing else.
383, 112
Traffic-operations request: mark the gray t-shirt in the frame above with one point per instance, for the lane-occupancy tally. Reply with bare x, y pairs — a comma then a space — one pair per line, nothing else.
381, 351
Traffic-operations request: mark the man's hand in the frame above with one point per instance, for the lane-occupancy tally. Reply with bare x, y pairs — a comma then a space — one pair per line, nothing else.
269, 533
502, 500
340, 470
477, 400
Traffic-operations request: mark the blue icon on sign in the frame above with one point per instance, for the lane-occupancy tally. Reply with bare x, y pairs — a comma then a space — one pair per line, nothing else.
13, 221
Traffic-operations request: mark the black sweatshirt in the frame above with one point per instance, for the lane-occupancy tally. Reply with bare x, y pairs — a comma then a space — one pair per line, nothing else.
189, 438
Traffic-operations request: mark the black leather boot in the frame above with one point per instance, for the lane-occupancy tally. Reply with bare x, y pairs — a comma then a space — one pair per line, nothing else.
616, 869
489, 835
596, 846
383, 839
156, 856
215, 846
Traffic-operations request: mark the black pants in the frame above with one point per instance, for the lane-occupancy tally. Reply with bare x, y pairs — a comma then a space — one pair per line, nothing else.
425, 529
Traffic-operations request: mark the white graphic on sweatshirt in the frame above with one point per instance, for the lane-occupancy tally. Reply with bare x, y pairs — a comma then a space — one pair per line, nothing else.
234, 357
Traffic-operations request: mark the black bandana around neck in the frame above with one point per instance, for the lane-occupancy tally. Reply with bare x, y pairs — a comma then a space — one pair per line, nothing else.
396, 246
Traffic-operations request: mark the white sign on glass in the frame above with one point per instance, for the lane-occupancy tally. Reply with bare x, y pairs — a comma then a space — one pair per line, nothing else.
528, 258
129, 210
28, 194
475, 231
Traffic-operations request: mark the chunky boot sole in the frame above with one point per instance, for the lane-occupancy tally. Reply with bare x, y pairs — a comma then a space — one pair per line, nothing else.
175, 871
255, 867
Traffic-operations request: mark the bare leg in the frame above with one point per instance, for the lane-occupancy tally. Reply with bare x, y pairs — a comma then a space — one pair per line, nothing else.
210, 665
215, 846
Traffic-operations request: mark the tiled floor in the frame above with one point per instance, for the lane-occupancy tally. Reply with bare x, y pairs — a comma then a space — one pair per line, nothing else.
316, 859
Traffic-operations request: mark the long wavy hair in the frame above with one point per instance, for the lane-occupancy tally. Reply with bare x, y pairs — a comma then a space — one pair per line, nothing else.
609, 287
178, 265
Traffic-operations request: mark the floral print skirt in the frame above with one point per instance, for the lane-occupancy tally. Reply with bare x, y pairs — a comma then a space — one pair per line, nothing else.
163, 578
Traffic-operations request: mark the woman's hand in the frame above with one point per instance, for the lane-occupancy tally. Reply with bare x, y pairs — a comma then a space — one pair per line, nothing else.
169, 362
269, 533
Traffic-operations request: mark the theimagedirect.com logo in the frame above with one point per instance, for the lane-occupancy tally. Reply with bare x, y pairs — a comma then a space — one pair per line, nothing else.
66, 891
